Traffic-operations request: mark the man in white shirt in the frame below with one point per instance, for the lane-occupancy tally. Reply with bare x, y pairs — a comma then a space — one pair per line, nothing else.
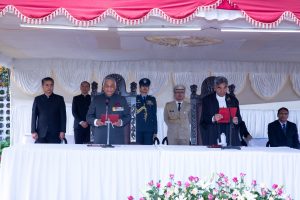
177, 115
210, 115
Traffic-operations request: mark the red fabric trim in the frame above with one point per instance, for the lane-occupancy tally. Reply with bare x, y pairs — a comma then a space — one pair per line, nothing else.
267, 11
261, 13
90, 9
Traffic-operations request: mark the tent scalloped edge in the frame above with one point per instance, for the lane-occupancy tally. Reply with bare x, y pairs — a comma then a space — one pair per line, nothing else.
153, 12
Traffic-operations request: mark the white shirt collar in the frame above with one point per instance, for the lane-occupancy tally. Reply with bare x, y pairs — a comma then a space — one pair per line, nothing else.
281, 123
220, 98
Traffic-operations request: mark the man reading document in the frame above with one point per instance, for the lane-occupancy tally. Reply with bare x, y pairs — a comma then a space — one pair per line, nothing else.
109, 106
217, 110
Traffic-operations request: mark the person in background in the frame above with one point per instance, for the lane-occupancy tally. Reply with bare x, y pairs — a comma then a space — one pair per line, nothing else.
80, 106
48, 121
177, 115
282, 132
146, 118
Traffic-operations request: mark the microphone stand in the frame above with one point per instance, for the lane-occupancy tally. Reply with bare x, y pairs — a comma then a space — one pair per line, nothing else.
107, 123
230, 135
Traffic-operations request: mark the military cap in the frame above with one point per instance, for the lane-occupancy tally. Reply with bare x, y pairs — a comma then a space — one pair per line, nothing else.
179, 87
144, 82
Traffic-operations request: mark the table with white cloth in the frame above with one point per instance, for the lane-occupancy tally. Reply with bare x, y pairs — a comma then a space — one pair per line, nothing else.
71, 172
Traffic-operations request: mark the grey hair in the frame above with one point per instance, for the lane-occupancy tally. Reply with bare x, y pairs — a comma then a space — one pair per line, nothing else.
109, 78
219, 80
179, 87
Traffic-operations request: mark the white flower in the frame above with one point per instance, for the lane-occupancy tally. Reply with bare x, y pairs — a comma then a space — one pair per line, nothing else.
194, 191
176, 190
271, 198
249, 196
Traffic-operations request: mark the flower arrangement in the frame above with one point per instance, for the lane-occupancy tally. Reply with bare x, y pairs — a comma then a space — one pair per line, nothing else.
217, 187
3, 144
4, 77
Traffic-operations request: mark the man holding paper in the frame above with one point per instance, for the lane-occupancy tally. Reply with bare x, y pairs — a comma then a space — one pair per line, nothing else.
109, 106
218, 109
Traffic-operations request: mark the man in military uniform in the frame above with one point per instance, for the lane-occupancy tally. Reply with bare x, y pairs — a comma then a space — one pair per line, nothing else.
177, 115
146, 119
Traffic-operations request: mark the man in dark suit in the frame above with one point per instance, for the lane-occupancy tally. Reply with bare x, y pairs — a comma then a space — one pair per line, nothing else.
80, 106
111, 103
48, 122
146, 119
282, 132
210, 115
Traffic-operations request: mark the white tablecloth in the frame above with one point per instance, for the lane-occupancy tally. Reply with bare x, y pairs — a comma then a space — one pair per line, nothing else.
71, 172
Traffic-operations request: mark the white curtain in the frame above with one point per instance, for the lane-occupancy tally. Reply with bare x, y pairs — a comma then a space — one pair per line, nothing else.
29, 79
159, 80
267, 79
267, 85
295, 79
188, 78
71, 73
236, 78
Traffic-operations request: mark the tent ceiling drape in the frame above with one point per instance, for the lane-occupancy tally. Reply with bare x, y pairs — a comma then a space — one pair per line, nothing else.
265, 14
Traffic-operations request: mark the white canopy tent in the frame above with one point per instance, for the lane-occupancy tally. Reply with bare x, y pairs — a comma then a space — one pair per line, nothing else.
264, 66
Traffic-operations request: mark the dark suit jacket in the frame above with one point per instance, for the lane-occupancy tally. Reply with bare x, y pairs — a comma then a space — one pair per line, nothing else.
150, 123
210, 107
277, 138
48, 115
116, 105
80, 107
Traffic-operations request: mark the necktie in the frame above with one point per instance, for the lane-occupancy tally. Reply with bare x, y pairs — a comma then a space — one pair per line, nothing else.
179, 106
284, 128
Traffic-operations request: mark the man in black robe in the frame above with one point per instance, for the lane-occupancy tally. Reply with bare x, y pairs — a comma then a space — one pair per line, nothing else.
210, 115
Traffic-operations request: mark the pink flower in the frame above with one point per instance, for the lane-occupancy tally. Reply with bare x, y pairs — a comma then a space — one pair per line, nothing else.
220, 183
130, 198
191, 178
279, 191
254, 183
210, 196
179, 183
263, 193
274, 186
187, 184
158, 185
169, 184
226, 179
172, 176
221, 175
234, 196
235, 180
196, 179
151, 183
142, 198
242, 174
